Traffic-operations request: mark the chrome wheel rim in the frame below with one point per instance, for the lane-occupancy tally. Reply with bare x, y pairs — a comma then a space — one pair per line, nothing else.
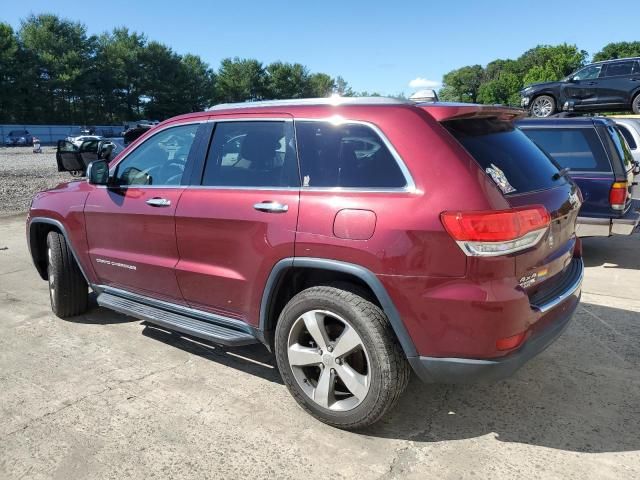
329, 360
542, 107
52, 280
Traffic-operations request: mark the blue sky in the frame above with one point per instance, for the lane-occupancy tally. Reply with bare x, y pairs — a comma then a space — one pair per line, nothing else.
375, 46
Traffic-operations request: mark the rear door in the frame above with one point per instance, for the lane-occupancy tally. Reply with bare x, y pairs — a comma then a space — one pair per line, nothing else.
617, 83
130, 224
238, 217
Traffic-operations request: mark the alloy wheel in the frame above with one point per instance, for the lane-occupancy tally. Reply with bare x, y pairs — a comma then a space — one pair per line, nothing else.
542, 107
329, 360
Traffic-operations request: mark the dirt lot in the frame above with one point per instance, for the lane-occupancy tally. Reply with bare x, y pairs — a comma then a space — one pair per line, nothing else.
106, 396
23, 173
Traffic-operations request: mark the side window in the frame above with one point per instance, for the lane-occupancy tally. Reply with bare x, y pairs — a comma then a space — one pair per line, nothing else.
252, 154
628, 137
160, 160
588, 73
620, 68
579, 149
636, 67
621, 147
348, 155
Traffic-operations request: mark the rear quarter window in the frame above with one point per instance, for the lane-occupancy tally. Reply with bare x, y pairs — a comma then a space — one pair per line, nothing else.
496, 143
628, 137
579, 149
345, 156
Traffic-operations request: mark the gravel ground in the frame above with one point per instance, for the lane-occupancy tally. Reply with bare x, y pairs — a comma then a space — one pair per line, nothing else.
23, 173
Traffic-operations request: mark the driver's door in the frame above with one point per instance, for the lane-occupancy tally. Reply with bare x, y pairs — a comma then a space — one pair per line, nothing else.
584, 88
130, 224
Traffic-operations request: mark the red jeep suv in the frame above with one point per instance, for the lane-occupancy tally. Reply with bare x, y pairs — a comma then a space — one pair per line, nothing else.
356, 238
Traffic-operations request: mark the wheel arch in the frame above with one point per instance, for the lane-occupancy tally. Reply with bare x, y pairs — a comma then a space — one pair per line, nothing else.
362, 280
39, 228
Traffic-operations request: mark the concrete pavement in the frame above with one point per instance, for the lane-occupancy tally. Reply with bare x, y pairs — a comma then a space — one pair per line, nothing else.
104, 396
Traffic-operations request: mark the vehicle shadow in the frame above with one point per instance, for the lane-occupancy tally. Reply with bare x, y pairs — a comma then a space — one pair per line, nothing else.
252, 359
617, 251
99, 316
581, 395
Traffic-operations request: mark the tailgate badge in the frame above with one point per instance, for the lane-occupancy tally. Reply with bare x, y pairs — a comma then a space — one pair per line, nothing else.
528, 280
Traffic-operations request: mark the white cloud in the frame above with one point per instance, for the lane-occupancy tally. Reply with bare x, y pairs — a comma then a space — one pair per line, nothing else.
420, 82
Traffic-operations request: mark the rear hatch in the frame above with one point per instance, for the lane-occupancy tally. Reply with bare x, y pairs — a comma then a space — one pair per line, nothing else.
527, 177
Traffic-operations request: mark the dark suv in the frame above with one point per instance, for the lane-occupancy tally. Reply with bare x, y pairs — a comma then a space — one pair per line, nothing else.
613, 85
356, 238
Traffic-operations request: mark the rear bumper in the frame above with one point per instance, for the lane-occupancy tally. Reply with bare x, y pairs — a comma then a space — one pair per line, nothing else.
470, 370
604, 227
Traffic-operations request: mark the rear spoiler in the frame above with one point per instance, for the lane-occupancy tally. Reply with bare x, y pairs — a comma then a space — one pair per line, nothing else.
459, 111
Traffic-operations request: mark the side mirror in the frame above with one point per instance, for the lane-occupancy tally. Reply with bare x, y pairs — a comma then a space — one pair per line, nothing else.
98, 172
572, 80
105, 149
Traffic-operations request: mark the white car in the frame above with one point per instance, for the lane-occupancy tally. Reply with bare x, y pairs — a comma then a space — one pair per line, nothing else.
630, 129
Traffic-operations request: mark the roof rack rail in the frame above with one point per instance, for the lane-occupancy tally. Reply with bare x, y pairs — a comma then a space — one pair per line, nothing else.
334, 100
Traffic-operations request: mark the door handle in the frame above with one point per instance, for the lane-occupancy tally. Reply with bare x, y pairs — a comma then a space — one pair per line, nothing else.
592, 83
159, 202
271, 207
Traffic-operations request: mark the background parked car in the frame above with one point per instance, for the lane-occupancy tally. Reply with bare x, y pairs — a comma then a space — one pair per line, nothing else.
630, 129
612, 85
18, 137
600, 163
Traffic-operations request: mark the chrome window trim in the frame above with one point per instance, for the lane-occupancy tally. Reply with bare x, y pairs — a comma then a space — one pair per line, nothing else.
410, 186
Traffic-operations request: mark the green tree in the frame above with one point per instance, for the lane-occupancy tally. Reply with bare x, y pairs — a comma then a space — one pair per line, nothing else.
8, 72
240, 80
287, 80
546, 63
342, 87
320, 85
463, 84
618, 50
503, 89
58, 57
118, 74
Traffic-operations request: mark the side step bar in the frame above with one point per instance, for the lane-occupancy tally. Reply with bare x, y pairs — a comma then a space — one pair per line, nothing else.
220, 334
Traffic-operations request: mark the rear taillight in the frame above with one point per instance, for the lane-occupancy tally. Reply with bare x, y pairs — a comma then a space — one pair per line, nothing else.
497, 232
618, 195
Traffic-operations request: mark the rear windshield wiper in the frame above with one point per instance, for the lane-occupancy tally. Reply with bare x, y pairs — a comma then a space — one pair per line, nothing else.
561, 173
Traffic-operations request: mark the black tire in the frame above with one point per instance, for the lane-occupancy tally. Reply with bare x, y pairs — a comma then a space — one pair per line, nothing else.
539, 112
635, 104
387, 367
68, 289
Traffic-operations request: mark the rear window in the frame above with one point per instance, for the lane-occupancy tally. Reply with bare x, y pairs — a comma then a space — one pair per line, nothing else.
513, 161
579, 149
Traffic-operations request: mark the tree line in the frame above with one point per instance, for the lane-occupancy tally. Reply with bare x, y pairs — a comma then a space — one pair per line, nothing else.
53, 71
501, 80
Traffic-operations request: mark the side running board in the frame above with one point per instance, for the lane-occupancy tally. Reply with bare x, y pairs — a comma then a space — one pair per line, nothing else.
215, 333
